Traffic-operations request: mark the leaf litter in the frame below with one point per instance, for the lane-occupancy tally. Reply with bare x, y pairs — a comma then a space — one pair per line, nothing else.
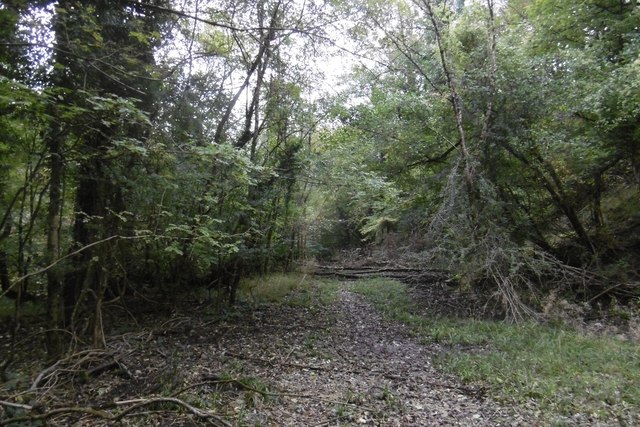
325, 364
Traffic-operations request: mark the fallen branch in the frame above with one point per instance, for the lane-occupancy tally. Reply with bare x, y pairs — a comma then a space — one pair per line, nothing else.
77, 359
403, 274
467, 390
340, 275
44, 373
195, 411
372, 270
58, 411
213, 381
15, 405
100, 413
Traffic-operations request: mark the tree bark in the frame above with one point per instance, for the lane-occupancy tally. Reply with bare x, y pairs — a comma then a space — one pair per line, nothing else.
5, 281
55, 308
55, 336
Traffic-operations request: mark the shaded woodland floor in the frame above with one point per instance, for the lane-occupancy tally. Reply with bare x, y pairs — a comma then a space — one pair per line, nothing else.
324, 357
319, 354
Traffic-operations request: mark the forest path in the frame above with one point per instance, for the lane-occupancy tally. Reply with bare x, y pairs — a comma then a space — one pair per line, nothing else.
321, 357
344, 364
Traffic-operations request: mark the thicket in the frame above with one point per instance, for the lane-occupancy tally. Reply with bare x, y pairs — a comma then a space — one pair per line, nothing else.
499, 141
147, 150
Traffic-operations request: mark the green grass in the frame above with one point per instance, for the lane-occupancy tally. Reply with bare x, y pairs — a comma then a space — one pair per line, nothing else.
561, 371
269, 289
315, 292
295, 289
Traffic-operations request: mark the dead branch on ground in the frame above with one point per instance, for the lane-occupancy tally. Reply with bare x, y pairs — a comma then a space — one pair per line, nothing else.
109, 416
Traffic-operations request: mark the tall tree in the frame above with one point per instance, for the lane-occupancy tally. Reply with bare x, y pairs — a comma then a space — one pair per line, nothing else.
111, 99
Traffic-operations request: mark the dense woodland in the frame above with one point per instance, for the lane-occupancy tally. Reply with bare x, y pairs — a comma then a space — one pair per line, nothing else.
158, 147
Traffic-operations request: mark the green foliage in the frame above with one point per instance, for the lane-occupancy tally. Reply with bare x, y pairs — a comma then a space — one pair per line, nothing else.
29, 310
551, 133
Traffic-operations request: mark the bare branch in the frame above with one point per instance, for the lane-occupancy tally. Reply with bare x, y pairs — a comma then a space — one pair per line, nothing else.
15, 405
405, 51
146, 402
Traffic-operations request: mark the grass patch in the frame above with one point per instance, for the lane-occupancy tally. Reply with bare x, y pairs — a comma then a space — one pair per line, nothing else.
294, 289
560, 370
269, 289
315, 292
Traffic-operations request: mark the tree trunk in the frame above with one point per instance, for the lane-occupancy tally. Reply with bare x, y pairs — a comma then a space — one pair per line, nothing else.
55, 308
5, 281
55, 337
259, 61
468, 169
96, 196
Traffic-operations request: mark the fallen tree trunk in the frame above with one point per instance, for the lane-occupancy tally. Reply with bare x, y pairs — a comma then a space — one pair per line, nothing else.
403, 274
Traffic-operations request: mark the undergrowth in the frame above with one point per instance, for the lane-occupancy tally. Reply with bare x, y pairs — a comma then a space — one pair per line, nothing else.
295, 289
28, 309
269, 289
553, 368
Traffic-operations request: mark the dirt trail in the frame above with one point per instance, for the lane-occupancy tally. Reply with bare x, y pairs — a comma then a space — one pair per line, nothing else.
291, 364
344, 364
